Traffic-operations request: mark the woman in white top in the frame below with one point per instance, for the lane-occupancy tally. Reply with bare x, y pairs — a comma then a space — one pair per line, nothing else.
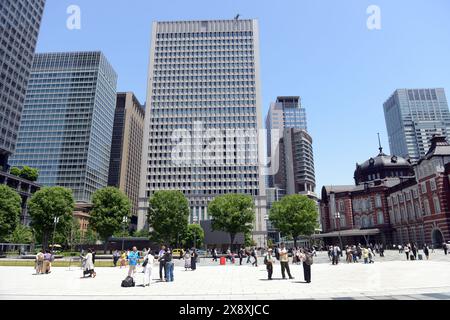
187, 260
89, 265
148, 265
407, 251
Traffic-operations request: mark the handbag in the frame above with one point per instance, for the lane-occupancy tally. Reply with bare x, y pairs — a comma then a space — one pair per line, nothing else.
145, 262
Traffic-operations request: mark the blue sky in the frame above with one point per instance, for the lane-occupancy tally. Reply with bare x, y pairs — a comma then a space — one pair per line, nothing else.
320, 50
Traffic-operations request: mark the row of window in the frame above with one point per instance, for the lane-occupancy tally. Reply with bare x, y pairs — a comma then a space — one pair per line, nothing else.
187, 35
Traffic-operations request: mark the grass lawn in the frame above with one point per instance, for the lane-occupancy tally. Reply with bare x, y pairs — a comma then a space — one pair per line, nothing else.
30, 263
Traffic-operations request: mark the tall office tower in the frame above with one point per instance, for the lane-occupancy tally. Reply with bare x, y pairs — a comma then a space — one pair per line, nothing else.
286, 112
20, 22
126, 148
67, 121
204, 76
296, 163
412, 117
293, 156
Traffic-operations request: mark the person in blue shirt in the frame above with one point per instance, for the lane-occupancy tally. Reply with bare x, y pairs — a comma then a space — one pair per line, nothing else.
133, 259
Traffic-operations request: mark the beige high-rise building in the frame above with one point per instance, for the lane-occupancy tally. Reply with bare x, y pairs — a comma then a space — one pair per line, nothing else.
204, 83
126, 148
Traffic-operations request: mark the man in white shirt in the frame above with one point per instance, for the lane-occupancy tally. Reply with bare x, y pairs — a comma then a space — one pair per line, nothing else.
148, 265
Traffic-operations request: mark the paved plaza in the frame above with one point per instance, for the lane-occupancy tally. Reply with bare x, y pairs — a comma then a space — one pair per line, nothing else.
391, 279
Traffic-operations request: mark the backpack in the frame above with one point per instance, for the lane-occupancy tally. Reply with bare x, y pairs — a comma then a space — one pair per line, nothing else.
128, 282
309, 260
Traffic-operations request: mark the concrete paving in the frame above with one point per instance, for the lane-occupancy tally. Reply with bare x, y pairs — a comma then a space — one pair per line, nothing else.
387, 280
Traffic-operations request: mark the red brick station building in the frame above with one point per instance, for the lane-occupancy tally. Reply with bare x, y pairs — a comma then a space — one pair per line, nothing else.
392, 202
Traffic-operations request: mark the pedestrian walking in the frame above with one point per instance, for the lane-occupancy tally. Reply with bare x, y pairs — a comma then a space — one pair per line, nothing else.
149, 259
414, 250
194, 257
123, 259
284, 261
406, 250
365, 255
269, 261
133, 259
89, 265
371, 255
336, 252
381, 250
249, 255
255, 261
426, 251
162, 263
116, 256
241, 255
349, 255
214, 254
168, 260
187, 260
306, 258
444, 245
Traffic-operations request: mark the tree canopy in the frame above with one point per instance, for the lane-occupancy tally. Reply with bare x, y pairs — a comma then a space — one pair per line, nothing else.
10, 206
110, 205
232, 213
21, 234
168, 216
26, 172
45, 205
194, 234
294, 215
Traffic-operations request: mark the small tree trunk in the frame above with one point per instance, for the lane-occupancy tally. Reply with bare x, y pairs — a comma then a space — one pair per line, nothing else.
295, 241
45, 240
232, 236
105, 246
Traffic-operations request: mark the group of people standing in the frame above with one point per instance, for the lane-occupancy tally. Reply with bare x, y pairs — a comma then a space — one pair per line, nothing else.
412, 251
354, 253
190, 259
43, 262
302, 255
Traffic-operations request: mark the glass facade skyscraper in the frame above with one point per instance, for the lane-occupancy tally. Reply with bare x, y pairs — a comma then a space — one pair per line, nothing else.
412, 117
286, 112
20, 22
203, 78
292, 147
67, 121
126, 149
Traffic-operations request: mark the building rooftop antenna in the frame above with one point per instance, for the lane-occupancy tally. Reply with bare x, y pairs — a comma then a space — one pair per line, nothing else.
379, 144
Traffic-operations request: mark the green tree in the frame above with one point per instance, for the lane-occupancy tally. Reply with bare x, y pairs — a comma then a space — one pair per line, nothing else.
194, 234
45, 205
30, 174
89, 237
10, 206
21, 234
141, 233
232, 213
294, 215
248, 240
15, 171
168, 216
70, 235
110, 205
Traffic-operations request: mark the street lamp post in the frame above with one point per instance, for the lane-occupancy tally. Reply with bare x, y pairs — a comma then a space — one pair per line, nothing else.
195, 219
124, 221
55, 221
266, 235
338, 223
